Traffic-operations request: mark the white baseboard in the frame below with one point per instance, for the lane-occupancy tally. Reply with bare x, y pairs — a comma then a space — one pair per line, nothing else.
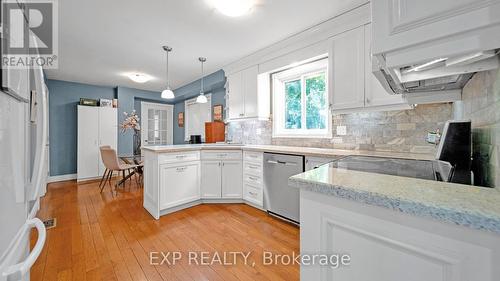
61, 178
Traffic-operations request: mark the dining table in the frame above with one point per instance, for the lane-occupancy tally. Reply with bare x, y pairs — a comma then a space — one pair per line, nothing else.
138, 161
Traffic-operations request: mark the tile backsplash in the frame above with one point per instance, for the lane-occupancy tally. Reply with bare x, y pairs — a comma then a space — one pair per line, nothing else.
399, 131
481, 98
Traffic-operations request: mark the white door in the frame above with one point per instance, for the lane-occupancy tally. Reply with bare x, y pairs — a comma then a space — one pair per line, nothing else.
235, 99
179, 184
211, 179
375, 94
156, 123
348, 71
250, 91
88, 138
108, 131
232, 179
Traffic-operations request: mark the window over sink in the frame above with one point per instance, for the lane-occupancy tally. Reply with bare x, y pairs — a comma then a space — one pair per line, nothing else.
300, 101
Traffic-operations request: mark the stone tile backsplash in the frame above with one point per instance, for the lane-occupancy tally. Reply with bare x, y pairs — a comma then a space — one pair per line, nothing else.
481, 97
400, 131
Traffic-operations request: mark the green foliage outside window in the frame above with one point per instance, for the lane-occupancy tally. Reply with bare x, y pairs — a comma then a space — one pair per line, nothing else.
316, 106
293, 106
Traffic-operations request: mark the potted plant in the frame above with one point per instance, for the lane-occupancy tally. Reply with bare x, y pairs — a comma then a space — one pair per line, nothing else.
131, 122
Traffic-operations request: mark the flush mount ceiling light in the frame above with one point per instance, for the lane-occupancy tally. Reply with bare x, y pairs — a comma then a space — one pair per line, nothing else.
233, 8
167, 93
202, 98
139, 77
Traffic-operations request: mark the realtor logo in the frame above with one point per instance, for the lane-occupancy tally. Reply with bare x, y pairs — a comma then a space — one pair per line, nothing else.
29, 33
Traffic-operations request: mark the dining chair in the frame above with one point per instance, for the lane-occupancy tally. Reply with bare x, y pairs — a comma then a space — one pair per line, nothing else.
106, 170
112, 164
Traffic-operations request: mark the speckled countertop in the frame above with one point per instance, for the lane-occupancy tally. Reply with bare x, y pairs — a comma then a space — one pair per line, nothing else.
309, 151
474, 207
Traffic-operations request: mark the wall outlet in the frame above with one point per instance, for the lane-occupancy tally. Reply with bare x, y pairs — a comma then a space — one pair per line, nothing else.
341, 130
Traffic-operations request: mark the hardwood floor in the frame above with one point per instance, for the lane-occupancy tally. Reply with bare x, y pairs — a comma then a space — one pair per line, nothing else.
105, 237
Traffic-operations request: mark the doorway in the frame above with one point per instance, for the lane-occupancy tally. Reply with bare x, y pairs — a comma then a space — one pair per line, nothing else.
156, 123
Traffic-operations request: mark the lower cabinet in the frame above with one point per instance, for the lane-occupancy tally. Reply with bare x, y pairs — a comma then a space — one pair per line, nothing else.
184, 182
221, 179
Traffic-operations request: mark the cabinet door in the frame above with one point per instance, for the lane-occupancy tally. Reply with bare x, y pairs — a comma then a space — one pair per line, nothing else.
235, 96
179, 184
232, 179
250, 91
108, 131
403, 23
375, 94
88, 138
348, 70
211, 179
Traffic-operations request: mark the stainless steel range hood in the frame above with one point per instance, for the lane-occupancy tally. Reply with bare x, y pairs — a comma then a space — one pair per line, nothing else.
438, 74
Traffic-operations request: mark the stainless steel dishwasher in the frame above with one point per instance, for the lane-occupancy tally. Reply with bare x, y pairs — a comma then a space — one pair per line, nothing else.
280, 199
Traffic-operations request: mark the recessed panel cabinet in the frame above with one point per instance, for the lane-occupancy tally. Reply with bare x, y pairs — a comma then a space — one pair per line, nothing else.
242, 95
222, 175
184, 180
405, 23
353, 87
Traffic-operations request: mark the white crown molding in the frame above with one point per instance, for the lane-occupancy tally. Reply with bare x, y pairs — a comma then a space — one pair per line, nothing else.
360, 15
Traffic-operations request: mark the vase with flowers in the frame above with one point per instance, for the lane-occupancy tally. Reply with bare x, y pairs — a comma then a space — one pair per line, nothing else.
131, 122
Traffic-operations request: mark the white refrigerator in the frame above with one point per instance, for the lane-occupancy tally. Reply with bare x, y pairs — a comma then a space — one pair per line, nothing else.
23, 166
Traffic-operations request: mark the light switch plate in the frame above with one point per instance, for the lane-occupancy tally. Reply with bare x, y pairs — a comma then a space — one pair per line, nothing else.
341, 130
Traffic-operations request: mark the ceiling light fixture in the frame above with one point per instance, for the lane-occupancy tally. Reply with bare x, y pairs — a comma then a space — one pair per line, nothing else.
167, 93
202, 98
139, 77
233, 8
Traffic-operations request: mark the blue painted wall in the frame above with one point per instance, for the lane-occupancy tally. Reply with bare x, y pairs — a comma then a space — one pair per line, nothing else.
63, 99
214, 84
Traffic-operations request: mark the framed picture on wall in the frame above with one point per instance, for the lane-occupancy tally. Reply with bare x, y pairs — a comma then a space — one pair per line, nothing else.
218, 112
180, 119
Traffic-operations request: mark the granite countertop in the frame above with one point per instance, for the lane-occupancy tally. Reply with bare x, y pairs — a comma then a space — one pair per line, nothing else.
308, 151
475, 207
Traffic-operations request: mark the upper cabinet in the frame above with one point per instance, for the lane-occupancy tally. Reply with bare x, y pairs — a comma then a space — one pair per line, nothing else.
353, 87
405, 23
244, 99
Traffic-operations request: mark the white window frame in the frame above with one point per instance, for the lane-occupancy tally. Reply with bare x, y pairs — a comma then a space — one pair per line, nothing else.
187, 108
278, 96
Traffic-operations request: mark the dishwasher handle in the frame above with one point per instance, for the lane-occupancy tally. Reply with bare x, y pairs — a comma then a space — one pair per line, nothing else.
282, 162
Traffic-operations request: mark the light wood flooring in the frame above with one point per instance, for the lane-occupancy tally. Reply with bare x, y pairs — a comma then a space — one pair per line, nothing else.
105, 237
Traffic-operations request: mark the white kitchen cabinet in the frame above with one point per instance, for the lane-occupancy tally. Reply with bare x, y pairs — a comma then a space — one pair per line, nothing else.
353, 86
97, 126
406, 23
385, 245
212, 181
243, 98
179, 184
232, 179
347, 70
221, 174
313, 162
253, 178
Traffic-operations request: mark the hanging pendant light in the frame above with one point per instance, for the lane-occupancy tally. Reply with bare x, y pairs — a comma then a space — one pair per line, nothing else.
202, 98
167, 93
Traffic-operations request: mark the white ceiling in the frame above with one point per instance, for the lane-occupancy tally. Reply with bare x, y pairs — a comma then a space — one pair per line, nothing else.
100, 40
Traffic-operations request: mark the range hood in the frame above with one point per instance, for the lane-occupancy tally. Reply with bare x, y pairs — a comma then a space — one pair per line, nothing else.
433, 75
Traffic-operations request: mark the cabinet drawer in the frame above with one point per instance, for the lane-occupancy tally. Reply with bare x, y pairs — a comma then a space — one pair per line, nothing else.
176, 157
252, 168
252, 179
253, 194
221, 155
253, 156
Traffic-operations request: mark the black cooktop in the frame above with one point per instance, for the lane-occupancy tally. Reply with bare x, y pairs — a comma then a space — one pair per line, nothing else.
421, 169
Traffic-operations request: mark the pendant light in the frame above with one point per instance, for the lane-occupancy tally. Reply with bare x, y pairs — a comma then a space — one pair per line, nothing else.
167, 93
202, 98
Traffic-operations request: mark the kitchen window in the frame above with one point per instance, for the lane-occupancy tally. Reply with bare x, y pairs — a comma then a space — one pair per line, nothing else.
300, 101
